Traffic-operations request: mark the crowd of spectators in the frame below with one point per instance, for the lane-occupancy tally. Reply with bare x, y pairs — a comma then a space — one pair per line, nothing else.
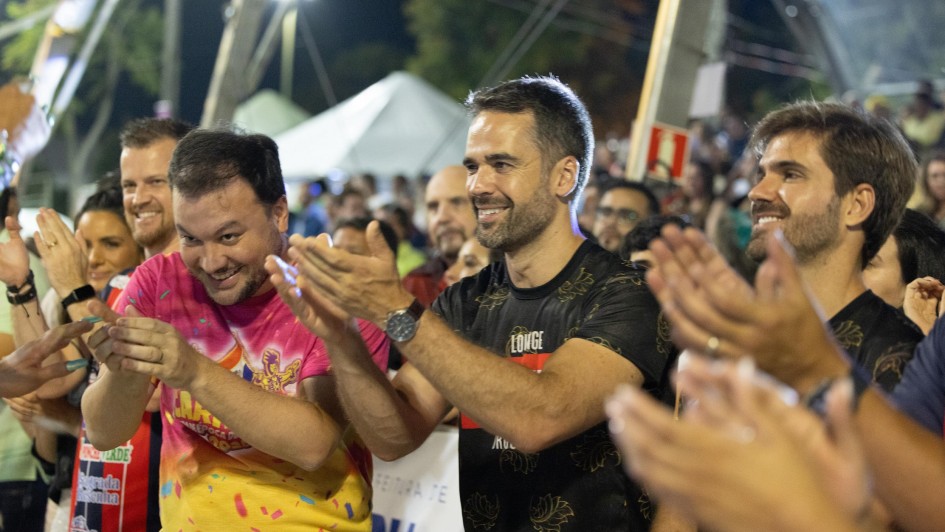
682, 229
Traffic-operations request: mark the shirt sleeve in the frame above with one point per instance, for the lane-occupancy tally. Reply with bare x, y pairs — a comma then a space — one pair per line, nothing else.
625, 318
921, 392
139, 291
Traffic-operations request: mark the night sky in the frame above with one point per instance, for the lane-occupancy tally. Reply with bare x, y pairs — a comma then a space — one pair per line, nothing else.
336, 25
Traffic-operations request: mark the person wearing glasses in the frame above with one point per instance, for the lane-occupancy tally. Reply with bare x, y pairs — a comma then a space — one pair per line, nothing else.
622, 205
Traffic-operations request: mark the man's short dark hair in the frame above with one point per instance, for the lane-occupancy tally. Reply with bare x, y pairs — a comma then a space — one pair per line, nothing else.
360, 223
652, 203
209, 159
648, 230
562, 123
921, 244
858, 148
143, 132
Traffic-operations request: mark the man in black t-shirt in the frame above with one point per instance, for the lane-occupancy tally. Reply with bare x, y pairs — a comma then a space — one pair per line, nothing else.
527, 350
836, 181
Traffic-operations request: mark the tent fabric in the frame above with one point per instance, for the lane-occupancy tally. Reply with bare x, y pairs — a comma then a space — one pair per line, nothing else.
269, 113
399, 125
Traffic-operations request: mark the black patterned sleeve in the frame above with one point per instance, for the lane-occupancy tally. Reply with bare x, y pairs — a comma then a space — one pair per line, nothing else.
624, 316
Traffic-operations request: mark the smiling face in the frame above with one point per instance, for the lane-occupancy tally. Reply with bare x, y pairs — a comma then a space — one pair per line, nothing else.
512, 196
225, 237
147, 195
110, 245
795, 191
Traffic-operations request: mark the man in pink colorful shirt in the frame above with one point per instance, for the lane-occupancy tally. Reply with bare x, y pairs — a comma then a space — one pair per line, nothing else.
253, 434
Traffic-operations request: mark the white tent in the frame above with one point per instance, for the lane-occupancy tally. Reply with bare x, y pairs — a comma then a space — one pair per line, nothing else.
269, 113
400, 124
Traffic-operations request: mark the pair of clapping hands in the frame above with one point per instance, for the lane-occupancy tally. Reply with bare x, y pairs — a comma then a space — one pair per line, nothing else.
743, 445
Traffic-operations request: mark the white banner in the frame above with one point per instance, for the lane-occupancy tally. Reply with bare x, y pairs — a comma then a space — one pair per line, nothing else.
420, 492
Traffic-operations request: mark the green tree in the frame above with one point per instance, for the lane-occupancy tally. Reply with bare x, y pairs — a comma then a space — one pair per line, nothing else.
127, 58
591, 45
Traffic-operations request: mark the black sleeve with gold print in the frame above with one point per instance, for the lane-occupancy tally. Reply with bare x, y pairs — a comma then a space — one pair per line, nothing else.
577, 484
878, 337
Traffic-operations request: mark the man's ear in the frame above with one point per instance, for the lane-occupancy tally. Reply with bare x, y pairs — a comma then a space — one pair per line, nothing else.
279, 213
860, 204
565, 176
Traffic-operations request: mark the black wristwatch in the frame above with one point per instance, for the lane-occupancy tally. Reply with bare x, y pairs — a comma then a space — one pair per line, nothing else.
79, 294
402, 324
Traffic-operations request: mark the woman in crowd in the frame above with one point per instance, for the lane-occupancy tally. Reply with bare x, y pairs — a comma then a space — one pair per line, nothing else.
932, 179
472, 257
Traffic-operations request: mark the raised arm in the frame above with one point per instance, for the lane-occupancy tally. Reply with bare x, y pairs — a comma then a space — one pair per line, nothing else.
28, 322
531, 410
152, 348
393, 418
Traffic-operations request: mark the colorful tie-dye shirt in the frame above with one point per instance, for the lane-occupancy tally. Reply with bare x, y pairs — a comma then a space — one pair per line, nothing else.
210, 478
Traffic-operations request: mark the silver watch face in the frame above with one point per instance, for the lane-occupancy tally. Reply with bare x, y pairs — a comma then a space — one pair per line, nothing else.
401, 326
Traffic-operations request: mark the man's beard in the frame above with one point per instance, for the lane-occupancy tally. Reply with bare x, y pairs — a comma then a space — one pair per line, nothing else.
522, 222
810, 234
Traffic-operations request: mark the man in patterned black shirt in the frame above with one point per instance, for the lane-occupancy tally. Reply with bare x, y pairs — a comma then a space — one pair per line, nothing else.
836, 181
527, 350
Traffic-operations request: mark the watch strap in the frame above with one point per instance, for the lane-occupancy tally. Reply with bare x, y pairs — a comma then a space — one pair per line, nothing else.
79, 294
416, 309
